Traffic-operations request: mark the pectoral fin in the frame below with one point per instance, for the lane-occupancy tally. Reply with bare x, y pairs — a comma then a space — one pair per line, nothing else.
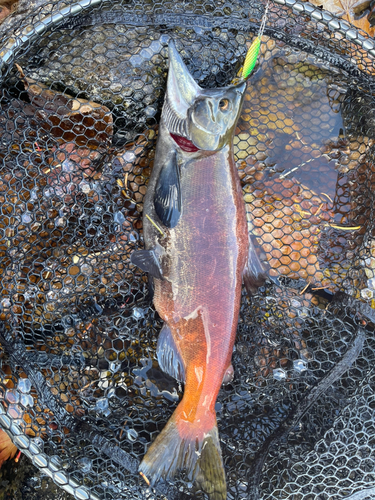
148, 261
167, 198
254, 274
169, 358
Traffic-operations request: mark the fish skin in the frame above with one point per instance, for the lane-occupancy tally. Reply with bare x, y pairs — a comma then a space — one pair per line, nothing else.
202, 258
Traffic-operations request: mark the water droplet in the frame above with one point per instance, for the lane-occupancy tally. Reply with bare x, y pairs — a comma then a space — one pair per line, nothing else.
112, 393
136, 60
39, 442
27, 400
60, 222
129, 156
150, 111
29, 294
303, 312
299, 365
119, 217
366, 293
86, 269
85, 187
156, 46
138, 312
146, 53
5, 303
279, 374
24, 385
102, 406
113, 367
68, 166
85, 464
305, 355
26, 218
12, 396
132, 434
15, 411
55, 460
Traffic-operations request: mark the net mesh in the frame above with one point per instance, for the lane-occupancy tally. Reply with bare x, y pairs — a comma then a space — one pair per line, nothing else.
81, 392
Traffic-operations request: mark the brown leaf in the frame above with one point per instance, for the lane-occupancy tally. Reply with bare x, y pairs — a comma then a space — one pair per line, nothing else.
347, 9
6, 8
7, 448
70, 119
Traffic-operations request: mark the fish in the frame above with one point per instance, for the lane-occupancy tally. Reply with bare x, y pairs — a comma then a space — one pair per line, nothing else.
197, 254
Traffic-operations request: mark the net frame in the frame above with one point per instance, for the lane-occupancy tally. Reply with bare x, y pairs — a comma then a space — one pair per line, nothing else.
25, 38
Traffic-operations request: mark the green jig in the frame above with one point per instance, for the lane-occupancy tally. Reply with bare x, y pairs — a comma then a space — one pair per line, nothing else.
253, 52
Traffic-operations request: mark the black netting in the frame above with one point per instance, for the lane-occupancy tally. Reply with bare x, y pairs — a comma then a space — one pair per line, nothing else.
81, 392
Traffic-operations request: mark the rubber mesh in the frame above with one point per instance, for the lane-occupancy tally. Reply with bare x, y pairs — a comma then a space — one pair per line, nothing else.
81, 392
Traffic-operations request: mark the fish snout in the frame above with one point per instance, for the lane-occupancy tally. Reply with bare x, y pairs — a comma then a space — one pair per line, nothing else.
205, 116
240, 88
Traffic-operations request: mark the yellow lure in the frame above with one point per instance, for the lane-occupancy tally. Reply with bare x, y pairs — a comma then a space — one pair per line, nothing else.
251, 58
253, 52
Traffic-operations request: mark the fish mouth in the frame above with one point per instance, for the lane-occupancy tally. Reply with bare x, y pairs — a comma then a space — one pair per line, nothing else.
184, 144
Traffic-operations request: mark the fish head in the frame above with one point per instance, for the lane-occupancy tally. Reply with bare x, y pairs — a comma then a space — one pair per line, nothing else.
196, 118
214, 115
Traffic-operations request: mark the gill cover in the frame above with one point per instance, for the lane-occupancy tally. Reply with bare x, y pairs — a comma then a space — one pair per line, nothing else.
206, 117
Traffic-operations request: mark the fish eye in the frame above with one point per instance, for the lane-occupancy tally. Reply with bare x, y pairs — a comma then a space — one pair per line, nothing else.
224, 104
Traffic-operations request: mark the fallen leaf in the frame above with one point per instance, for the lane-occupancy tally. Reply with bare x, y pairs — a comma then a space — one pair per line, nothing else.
84, 122
7, 448
6, 8
348, 10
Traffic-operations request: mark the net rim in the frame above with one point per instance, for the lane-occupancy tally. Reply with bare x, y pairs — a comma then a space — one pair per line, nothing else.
30, 32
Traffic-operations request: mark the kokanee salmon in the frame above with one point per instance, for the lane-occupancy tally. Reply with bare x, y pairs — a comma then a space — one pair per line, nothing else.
197, 254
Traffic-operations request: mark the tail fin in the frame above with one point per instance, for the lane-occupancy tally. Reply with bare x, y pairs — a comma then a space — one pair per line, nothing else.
201, 459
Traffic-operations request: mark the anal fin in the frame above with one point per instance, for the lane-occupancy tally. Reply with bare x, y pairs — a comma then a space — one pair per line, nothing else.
228, 375
254, 274
169, 358
148, 261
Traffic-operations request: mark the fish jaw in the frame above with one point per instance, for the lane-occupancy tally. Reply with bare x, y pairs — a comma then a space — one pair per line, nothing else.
185, 144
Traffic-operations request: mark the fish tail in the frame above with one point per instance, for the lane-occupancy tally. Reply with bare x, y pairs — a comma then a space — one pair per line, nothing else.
175, 449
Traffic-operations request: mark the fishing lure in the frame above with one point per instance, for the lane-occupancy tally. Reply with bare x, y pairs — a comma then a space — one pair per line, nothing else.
253, 52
